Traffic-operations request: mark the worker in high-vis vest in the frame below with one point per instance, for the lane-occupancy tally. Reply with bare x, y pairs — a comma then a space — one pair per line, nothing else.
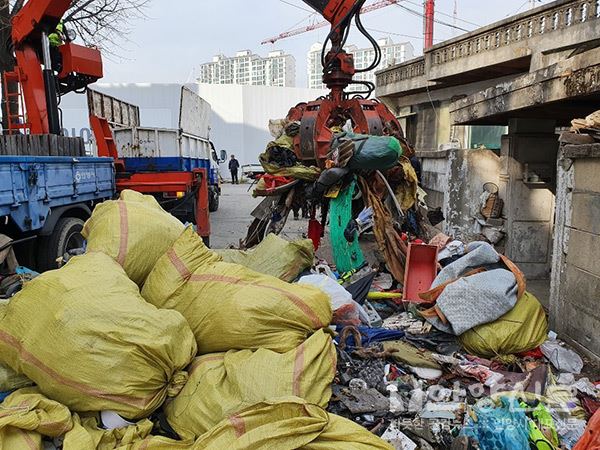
57, 38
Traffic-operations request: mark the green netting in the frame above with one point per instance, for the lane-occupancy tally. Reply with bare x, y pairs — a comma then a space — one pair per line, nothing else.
347, 255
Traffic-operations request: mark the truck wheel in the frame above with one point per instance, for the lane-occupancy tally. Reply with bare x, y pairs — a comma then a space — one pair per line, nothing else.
213, 200
65, 236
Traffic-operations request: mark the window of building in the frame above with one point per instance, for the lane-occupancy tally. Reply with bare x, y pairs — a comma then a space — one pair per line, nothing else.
490, 137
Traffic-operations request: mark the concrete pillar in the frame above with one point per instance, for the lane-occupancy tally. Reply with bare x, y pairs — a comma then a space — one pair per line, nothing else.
529, 207
427, 131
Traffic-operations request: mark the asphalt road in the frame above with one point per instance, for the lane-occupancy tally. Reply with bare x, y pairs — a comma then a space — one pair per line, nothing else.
230, 223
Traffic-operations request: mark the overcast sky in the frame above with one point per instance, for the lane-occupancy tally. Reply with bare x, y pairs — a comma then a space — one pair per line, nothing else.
178, 35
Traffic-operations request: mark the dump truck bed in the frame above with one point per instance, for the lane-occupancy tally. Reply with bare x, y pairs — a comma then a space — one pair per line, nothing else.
31, 186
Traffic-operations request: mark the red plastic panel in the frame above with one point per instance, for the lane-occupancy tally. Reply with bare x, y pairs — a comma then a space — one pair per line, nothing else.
421, 270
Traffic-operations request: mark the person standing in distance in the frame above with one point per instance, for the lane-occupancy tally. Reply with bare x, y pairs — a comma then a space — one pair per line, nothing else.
234, 166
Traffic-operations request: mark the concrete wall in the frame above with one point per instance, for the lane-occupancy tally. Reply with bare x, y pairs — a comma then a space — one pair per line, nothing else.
575, 293
453, 180
529, 208
426, 118
469, 170
434, 177
428, 131
241, 115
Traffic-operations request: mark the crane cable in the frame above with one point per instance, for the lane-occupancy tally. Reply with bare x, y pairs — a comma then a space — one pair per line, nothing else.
417, 13
342, 24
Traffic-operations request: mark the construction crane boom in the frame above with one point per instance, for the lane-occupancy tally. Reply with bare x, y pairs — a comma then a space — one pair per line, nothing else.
372, 7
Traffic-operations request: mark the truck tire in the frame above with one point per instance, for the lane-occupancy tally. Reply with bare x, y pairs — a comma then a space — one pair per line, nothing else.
213, 200
65, 236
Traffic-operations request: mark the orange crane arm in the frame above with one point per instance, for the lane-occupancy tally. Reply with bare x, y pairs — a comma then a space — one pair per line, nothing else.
76, 67
37, 16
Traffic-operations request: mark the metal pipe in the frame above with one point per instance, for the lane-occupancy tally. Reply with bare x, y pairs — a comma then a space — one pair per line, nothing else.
50, 82
46, 59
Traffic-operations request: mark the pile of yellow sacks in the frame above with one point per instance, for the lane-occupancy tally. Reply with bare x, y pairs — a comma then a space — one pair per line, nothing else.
150, 323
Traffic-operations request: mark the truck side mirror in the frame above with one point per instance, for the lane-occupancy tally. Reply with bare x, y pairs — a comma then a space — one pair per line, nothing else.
223, 156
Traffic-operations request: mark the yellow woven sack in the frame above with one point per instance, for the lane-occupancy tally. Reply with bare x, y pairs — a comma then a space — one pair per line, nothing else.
87, 435
9, 379
523, 328
85, 336
288, 423
298, 171
230, 307
225, 383
26, 415
343, 434
134, 230
274, 256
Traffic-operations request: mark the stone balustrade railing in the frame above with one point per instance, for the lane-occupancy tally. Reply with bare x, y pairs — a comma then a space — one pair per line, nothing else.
540, 21
412, 69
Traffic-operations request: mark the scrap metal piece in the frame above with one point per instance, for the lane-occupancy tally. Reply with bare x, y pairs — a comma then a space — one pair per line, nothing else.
361, 401
445, 410
397, 438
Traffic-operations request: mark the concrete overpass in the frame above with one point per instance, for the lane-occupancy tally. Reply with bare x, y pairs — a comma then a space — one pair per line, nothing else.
529, 76
541, 43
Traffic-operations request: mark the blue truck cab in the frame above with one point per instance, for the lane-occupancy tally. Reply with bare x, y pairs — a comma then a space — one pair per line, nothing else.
45, 200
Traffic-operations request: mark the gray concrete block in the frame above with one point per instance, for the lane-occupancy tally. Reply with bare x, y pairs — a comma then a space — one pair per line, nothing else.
587, 175
582, 151
582, 291
586, 212
531, 204
570, 138
582, 328
495, 222
584, 251
435, 181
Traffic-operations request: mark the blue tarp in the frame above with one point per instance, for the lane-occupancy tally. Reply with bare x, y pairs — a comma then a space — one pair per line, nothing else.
498, 428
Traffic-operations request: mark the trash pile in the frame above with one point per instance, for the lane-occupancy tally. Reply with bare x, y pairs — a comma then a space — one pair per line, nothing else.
12, 275
378, 170
464, 362
588, 128
440, 345
151, 341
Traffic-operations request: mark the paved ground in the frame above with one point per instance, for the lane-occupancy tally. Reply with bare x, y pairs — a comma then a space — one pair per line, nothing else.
230, 223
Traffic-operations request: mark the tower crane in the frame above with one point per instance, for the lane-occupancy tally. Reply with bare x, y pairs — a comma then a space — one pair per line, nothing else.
429, 14
324, 23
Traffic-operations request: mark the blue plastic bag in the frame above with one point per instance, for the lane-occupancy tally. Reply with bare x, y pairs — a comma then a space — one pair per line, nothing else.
371, 336
3, 395
499, 427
